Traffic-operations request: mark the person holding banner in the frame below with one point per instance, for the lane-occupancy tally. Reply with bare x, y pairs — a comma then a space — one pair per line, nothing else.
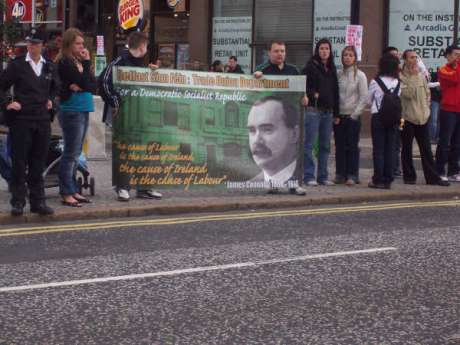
323, 91
133, 56
276, 65
77, 87
347, 125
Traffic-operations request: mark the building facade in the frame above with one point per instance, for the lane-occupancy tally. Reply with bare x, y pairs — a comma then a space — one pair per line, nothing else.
185, 33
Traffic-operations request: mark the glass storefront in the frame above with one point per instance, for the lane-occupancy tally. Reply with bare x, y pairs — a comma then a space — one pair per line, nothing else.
423, 25
171, 34
290, 21
232, 32
245, 28
331, 19
49, 18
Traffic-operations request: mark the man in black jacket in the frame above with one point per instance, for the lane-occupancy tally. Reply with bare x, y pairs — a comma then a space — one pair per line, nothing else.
34, 81
276, 65
134, 57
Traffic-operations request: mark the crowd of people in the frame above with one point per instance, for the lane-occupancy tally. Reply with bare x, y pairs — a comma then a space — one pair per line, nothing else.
403, 100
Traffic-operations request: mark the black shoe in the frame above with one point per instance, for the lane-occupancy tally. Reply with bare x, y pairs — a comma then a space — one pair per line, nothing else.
148, 194
17, 210
42, 209
378, 185
409, 182
441, 183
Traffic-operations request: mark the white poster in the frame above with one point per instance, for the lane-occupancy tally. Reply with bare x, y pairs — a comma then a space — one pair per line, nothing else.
354, 37
331, 18
423, 25
232, 36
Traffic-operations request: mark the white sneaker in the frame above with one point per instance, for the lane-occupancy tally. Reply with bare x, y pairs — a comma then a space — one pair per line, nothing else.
123, 195
454, 178
312, 183
327, 183
444, 178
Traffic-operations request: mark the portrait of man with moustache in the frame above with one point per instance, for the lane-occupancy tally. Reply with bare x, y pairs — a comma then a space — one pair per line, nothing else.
274, 134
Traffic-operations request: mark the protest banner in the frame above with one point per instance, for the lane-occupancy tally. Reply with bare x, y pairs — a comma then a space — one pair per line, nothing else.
186, 129
354, 37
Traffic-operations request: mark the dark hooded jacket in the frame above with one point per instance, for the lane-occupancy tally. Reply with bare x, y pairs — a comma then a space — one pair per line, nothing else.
323, 82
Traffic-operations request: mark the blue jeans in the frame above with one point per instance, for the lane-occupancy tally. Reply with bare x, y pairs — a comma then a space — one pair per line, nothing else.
5, 162
433, 121
346, 135
318, 127
383, 151
74, 126
448, 150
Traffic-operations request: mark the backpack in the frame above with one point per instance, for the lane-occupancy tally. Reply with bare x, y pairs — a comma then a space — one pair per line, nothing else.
390, 108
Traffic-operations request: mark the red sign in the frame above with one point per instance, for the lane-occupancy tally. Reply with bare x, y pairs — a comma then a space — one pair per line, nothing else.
19, 9
130, 13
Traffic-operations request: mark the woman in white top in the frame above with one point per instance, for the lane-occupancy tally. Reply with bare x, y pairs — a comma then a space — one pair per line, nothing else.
347, 125
383, 137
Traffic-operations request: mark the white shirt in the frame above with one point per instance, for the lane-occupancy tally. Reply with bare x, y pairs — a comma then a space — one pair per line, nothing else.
37, 67
282, 176
375, 95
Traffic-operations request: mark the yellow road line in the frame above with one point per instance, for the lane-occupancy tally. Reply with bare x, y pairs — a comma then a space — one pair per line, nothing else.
214, 218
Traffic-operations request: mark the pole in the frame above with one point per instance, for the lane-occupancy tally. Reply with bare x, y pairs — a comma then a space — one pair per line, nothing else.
354, 13
3, 45
253, 37
456, 17
33, 13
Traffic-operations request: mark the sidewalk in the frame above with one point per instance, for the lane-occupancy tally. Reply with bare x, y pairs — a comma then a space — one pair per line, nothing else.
105, 204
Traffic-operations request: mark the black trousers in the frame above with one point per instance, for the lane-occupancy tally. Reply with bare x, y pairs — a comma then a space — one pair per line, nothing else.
346, 135
30, 142
422, 136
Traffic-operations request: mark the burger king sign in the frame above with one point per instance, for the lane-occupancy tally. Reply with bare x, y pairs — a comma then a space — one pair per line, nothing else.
130, 13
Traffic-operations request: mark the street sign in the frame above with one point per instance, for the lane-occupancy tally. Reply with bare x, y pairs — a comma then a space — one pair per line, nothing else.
20, 10
130, 13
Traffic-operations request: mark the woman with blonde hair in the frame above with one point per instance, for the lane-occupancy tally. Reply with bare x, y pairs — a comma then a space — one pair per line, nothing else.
347, 125
77, 86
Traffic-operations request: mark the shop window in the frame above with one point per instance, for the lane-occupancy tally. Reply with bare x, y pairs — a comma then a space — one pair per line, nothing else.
331, 18
86, 18
232, 114
232, 31
272, 25
423, 25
